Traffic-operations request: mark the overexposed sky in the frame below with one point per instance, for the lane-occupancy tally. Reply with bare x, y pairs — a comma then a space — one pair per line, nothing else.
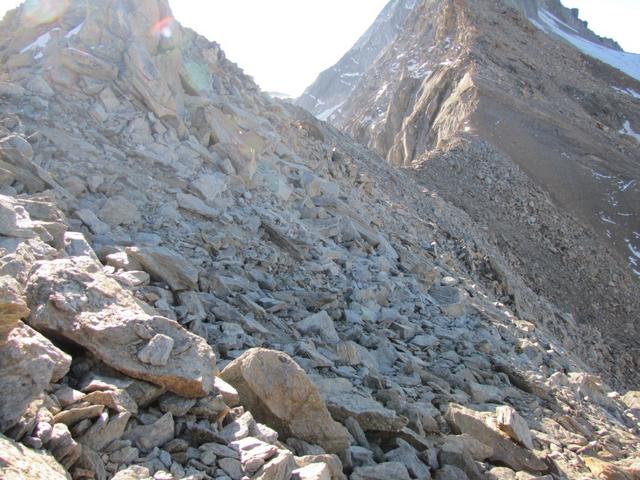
285, 44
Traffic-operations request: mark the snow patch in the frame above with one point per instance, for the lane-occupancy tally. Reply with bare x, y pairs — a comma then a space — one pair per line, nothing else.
39, 42
624, 186
75, 31
606, 219
628, 91
627, 130
634, 261
324, 116
628, 63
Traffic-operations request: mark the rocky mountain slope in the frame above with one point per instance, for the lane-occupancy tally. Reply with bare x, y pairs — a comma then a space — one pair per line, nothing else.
504, 109
200, 281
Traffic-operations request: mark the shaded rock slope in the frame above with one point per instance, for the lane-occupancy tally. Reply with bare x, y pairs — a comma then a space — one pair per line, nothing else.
508, 110
201, 282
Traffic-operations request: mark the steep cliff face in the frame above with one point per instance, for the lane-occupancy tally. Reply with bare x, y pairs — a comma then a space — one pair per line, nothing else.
199, 281
508, 109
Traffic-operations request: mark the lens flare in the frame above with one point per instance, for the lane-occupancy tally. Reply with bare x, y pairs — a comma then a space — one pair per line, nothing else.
38, 12
163, 27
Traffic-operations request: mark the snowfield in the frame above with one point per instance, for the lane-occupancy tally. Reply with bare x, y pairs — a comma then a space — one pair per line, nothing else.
628, 63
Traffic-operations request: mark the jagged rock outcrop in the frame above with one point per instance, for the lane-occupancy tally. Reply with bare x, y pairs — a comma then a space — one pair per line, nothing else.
507, 110
159, 211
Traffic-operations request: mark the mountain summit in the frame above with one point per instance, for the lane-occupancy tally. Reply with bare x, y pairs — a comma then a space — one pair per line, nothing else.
201, 281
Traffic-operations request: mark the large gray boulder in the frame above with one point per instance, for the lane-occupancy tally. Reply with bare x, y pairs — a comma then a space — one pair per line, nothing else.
72, 298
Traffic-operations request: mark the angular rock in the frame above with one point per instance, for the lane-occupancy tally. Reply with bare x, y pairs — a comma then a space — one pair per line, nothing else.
119, 211
210, 186
147, 437
135, 472
382, 471
229, 394
344, 401
462, 459
75, 415
62, 446
157, 351
319, 324
74, 299
313, 471
193, 204
12, 304
18, 462
231, 467
449, 472
332, 461
464, 420
28, 364
280, 467
117, 400
278, 392
212, 407
177, 405
166, 266
511, 423
408, 456
105, 430
253, 453
478, 450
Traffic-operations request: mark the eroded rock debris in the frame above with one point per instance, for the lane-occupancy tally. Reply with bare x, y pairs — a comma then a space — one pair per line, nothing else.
201, 282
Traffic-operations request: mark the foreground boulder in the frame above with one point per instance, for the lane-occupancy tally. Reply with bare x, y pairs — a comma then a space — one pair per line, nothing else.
18, 462
72, 298
479, 426
279, 393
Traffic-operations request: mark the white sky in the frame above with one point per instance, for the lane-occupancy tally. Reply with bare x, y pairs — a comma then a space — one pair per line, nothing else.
285, 44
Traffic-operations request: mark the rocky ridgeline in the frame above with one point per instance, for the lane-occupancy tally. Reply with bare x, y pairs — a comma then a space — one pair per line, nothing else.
201, 282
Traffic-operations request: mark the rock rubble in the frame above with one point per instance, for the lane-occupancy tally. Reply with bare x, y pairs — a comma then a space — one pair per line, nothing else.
323, 324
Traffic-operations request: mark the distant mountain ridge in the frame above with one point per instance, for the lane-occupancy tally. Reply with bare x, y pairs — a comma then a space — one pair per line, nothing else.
520, 115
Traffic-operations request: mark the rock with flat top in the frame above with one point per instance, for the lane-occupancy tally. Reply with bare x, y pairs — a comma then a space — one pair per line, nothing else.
482, 427
278, 393
74, 299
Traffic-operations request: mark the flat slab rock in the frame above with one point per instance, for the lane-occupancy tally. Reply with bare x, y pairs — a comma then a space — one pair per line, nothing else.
72, 298
279, 393
18, 462
344, 401
483, 427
